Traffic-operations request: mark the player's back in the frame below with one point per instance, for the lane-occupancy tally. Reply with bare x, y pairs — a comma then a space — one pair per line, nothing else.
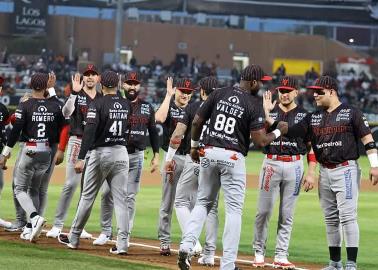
233, 113
42, 120
111, 113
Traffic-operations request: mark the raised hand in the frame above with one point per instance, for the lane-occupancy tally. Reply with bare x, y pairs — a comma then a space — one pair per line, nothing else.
76, 84
170, 89
268, 104
52, 80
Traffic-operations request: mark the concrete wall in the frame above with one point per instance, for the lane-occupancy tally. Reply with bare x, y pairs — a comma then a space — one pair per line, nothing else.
214, 45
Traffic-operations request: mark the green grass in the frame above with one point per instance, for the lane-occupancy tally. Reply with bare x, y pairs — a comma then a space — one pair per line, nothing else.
308, 242
15, 255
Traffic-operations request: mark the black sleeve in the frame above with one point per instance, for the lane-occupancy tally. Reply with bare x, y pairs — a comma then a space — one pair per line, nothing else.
301, 129
258, 118
18, 126
90, 129
5, 113
186, 116
154, 136
207, 106
360, 124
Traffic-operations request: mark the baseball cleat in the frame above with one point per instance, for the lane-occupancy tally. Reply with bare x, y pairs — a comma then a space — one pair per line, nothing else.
63, 239
54, 232
350, 265
197, 250
183, 261
26, 233
259, 261
85, 235
206, 260
283, 263
334, 266
37, 225
165, 250
115, 251
101, 240
16, 227
5, 224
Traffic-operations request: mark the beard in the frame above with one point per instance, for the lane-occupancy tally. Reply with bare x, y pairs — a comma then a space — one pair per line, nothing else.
131, 95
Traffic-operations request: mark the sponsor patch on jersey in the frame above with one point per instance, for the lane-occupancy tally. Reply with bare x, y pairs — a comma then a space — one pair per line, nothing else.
365, 121
205, 162
343, 115
117, 106
299, 117
234, 99
42, 109
18, 115
91, 115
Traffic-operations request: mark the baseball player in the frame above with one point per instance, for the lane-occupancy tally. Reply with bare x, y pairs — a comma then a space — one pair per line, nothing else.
187, 187
281, 175
142, 123
235, 116
4, 116
39, 121
83, 93
105, 135
169, 113
334, 131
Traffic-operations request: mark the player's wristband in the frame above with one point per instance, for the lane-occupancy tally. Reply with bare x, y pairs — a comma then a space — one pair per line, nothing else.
170, 154
51, 91
276, 132
373, 159
6, 151
194, 144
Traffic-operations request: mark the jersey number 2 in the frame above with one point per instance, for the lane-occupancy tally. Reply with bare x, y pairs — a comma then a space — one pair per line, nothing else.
116, 128
41, 130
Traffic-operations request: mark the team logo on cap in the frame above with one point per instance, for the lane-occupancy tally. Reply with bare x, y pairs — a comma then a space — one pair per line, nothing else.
42, 109
133, 76
234, 99
285, 82
117, 106
91, 66
187, 84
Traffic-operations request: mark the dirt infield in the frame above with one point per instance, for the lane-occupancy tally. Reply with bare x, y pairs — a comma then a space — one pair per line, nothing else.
137, 254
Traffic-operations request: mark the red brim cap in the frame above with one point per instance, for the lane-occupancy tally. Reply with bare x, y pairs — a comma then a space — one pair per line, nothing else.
138, 82
90, 71
185, 89
266, 78
286, 88
315, 87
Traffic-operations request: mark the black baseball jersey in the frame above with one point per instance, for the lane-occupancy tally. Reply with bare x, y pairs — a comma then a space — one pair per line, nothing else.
334, 135
284, 145
38, 120
107, 123
142, 123
4, 115
175, 113
78, 117
233, 114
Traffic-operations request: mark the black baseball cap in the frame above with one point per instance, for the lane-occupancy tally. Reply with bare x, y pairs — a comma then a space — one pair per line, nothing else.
1, 81
254, 72
109, 79
90, 69
185, 84
324, 82
208, 84
132, 76
288, 83
39, 81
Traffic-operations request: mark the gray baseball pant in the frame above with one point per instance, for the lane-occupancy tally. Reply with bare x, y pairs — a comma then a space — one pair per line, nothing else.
110, 163
218, 169
133, 185
186, 196
72, 181
283, 179
338, 195
168, 199
28, 177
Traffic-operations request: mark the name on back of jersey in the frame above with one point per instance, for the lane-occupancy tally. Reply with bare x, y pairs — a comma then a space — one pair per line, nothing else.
118, 112
42, 115
230, 108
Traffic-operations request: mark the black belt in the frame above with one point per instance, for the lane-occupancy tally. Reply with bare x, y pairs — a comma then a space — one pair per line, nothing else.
132, 150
